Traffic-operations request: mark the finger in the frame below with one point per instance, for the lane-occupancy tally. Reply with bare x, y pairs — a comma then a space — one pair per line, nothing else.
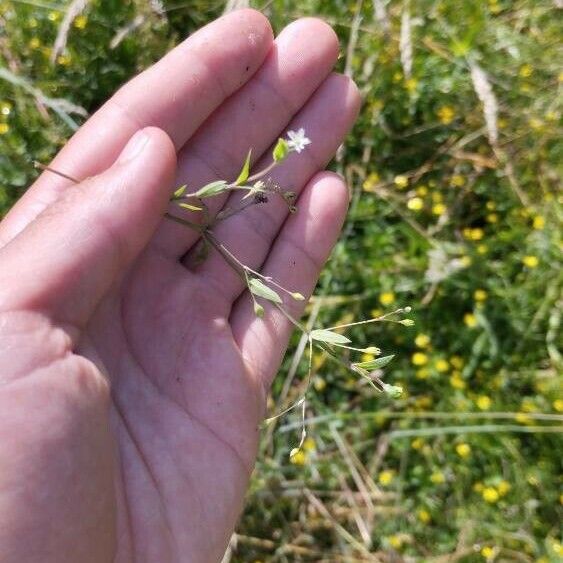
248, 235
303, 56
295, 262
176, 94
69, 256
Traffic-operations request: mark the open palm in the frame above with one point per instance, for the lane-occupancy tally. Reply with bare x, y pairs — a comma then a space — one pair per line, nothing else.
134, 380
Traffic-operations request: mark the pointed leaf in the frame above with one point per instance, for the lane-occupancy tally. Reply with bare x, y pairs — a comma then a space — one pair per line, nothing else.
262, 290
190, 207
281, 150
214, 188
180, 192
245, 172
329, 337
376, 363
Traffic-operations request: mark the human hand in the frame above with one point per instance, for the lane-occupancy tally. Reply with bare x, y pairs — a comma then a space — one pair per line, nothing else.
133, 382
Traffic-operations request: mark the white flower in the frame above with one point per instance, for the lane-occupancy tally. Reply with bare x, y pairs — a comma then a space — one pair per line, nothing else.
297, 140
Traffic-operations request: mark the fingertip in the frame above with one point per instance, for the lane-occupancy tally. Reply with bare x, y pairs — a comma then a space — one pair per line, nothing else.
319, 31
348, 91
329, 195
163, 146
256, 24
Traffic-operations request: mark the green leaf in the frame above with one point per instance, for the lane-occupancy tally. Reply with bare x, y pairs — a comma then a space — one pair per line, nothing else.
214, 188
180, 192
376, 363
262, 290
281, 150
190, 207
329, 337
245, 172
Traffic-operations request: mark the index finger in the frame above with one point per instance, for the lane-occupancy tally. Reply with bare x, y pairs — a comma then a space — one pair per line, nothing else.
177, 94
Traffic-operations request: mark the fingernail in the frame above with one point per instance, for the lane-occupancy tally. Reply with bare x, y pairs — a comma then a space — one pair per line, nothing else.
134, 147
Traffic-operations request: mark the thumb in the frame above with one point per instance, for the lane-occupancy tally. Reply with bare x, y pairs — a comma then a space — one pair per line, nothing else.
68, 257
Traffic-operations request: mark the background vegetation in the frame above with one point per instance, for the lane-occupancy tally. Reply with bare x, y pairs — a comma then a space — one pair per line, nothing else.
454, 169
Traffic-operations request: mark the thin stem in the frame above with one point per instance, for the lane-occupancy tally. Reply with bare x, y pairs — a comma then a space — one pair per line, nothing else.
262, 173
185, 222
379, 319
49, 169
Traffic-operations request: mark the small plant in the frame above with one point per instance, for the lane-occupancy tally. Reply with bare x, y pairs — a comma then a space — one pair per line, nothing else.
259, 187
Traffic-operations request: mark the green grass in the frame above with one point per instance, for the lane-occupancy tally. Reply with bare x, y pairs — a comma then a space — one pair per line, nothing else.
466, 465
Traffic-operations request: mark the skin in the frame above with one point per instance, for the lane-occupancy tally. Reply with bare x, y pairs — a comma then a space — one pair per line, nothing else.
133, 382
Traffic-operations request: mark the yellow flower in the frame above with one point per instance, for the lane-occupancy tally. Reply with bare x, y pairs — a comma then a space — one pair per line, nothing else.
424, 516
319, 383
442, 365
539, 222
490, 494
368, 357
4, 128
492, 218
298, 457
491, 205
470, 320
530, 261
309, 445
457, 362
439, 209
480, 295
478, 487
457, 382
422, 340
395, 541
415, 203
422, 191
424, 401
387, 298
463, 450
376, 313
558, 405
437, 477
422, 373
417, 444
34, 43
401, 181
63, 60
386, 477
465, 261
477, 234
370, 182
445, 114
487, 552
54, 16
526, 71
482, 249
523, 418
457, 181
503, 487
411, 84
80, 22
556, 547
5, 108
419, 359
483, 402
397, 76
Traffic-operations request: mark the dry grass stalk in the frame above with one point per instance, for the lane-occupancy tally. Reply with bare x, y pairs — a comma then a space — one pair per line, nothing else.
485, 93
232, 5
405, 43
75, 8
381, 15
